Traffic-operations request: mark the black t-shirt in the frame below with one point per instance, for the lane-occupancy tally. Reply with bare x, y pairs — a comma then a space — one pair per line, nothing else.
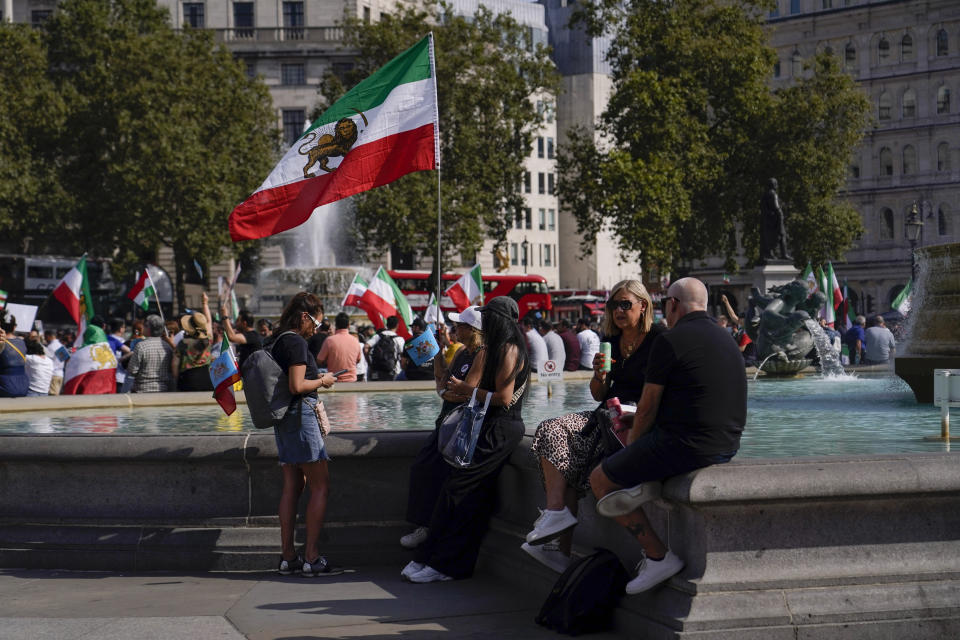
253, 344
291, 349
459, 368
704, 402
627, 375
315, 343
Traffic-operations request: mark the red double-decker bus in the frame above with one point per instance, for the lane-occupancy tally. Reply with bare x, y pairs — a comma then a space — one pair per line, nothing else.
530, 291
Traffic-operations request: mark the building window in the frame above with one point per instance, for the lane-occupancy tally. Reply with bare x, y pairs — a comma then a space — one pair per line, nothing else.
794, 6
518, 219
540, 147
943, 221
883, 50
943, 100
550, 185
242, 20
293, 20
850, 57
541, 183
776, 69
39, 16
943, 157
909, 103
528, 215
293, 73
886, 102
513, 254
251, 69
886, 224
906, 48
526, 182
547, 262
827, 4
551, 219
943, 42
293, 121
854, 171
909, 160
796, 63
543, 219
366, 15
886, 162
193, 14
550, 152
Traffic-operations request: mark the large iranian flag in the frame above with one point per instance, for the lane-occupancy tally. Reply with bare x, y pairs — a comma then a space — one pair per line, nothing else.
382, 129
385, 298
468, 287
73, 292
92, 368
141, 292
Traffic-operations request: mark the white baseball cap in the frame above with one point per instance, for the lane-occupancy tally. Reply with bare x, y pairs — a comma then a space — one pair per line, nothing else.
469, 316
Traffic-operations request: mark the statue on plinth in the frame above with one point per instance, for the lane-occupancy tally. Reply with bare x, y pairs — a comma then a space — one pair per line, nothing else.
773, 233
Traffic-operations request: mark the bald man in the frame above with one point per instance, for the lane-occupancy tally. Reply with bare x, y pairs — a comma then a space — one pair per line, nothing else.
690, 415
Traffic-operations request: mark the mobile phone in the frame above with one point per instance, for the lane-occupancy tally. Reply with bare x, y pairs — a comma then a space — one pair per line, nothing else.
337, 374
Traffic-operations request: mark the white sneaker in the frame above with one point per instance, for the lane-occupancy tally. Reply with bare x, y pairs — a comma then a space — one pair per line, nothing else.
411, 568
623, 501
551, 524
428, 574
415, 538
650, 573
549, 555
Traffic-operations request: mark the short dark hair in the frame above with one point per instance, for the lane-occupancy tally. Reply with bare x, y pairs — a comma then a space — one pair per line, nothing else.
584, 322
392, 322
565, 324
34, 348
527, 321
342, 321
545, 325
98, 321
116, 324
246, 317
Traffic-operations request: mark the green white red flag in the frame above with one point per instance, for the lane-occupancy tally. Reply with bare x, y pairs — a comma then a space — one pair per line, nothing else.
383, 297
834, 286
223, 375
902, 302
73, 292
92, 368
354, 298
466, 289
382, 129
141, 292
810, 279
827, 312
432, 312
3, 298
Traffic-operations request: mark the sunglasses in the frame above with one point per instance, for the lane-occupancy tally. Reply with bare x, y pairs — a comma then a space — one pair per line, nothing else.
316, 323
664, 300
623, 305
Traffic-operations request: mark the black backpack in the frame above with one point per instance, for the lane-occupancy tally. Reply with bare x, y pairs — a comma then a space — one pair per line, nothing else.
585, 595
384, 355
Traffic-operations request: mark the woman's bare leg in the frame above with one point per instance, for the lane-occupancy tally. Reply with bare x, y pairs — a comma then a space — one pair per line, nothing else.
318, 479
287, 512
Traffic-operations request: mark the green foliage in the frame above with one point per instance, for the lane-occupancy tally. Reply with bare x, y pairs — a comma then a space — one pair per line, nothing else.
31, 116
487, 80
692, 132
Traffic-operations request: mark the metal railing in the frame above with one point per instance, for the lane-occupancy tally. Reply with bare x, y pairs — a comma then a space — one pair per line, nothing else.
280, 34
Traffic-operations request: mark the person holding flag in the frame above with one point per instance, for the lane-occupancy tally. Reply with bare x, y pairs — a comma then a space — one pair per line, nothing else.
92, 368
223, 375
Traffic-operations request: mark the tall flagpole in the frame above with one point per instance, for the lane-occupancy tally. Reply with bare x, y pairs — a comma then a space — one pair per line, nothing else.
433, 71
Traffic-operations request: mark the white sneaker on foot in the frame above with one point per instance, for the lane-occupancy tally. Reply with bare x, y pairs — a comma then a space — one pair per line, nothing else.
428, 574
650, 573
551, 524
623, 501
415, 538
549, 555
411, 568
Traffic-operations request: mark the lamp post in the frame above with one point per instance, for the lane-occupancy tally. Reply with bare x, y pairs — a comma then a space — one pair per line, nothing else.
526, 245
913, 227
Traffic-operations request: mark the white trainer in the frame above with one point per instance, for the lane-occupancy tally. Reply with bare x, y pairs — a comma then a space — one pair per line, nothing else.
411, 568
650, 573
549, 555
415, 538
551, 524
623, 501
428, 574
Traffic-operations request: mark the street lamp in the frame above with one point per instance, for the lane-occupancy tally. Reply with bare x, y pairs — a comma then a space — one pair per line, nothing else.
913, 227
525, 244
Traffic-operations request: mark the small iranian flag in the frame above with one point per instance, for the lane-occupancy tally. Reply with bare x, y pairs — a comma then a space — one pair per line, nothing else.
355, 292
834, 286
141, 292
810, 279
827, 312
382, 129
3, 298
223, 375
432, 314
903, 300
383, 297
468, 287
73, 292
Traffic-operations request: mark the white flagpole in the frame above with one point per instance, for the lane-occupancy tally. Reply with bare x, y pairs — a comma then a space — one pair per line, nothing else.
156, 296
433, 72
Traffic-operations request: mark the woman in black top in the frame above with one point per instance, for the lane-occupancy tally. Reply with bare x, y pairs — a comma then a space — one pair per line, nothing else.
468, 496
569, 447
300, 448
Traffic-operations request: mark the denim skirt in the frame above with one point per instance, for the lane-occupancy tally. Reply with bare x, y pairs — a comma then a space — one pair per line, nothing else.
298, 434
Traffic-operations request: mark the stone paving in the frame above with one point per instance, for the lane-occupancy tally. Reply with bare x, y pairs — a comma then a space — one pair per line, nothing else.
370, 603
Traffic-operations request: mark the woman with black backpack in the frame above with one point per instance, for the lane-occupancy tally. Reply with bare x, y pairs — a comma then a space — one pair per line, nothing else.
300, 447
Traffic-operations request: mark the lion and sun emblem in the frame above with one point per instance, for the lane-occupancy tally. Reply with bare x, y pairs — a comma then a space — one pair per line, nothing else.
328, 146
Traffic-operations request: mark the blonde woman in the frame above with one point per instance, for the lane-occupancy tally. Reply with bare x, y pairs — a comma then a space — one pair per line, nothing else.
568, 452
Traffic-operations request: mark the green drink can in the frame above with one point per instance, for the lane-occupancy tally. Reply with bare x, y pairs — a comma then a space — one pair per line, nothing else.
605, 350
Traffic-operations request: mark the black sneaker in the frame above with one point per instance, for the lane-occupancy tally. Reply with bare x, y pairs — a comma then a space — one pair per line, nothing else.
286, 567
320, 567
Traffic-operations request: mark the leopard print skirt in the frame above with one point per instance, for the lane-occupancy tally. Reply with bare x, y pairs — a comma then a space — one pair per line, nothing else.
562, 442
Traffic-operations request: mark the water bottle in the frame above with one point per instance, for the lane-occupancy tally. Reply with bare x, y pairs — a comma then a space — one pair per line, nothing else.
605, 350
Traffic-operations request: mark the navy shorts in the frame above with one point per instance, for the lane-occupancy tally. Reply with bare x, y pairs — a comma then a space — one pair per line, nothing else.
298, 435
655, 456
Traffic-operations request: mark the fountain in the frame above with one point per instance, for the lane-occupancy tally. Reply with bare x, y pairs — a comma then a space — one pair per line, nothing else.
933, 327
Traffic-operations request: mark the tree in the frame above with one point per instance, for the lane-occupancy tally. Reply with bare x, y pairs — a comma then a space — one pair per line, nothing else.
692, 132
31, 114
164, 134
488, 77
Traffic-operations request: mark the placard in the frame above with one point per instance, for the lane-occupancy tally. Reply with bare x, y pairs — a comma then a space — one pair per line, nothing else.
549, 371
